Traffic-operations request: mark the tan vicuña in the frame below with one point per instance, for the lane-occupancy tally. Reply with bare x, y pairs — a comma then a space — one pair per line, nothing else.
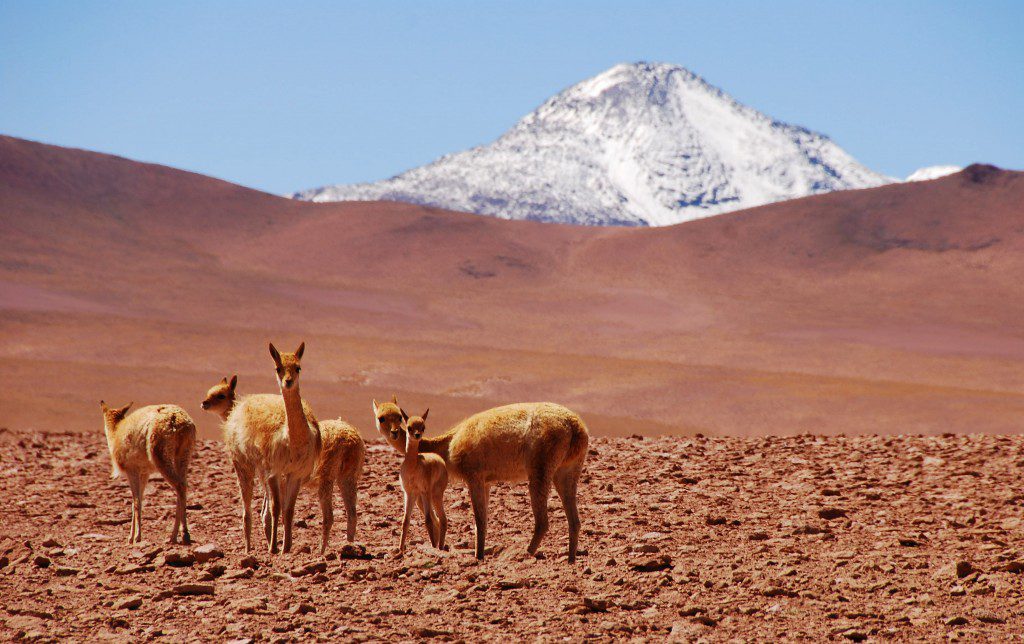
424, 479
542, 443
341, 461
279, 444
155, 438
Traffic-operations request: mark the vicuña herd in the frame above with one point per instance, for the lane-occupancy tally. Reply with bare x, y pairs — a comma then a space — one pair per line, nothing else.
279, 441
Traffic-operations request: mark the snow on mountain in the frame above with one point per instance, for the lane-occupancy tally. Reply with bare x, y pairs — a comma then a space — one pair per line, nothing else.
932, 172
640, 144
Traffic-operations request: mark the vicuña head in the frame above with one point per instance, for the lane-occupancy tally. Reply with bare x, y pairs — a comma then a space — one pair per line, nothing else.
414, 426
390, 421
113, 415
221, 397
288, 366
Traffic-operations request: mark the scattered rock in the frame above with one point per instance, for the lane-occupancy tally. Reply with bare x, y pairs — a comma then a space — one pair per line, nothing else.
249, 606
50, 542
354, 551
206, 552
964, 568
988, 617
1015, 567
193, 589
176, 559
431, 632
302, 608
249, 562
39, 561
512, 584
217, 569
244, 573
595, 605
31, 612
810, 529
129, 603
662, 562
956, 621
831, 513
309, 569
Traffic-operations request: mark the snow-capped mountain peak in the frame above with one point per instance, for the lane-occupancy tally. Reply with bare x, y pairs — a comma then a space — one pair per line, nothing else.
932, 172
640, 144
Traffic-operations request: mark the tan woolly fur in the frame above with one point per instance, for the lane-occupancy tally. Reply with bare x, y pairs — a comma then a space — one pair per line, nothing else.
157, 438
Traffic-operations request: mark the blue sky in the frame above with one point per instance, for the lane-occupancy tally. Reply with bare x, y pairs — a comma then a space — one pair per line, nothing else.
284, 96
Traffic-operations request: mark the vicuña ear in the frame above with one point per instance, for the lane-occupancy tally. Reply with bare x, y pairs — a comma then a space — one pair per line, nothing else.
424, 416
405, 416
275, 354
375, 407
224, 380
394, 398
298, 352
124, 410
234, 381
103, 405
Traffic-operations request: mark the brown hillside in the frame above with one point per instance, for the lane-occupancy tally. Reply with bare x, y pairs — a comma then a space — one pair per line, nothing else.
891, 310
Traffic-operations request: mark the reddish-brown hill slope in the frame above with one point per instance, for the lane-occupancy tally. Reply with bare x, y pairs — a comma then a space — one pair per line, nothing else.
895, 309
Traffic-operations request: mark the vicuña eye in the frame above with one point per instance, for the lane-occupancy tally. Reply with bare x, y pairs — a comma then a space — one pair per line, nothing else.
298, 369
220, 396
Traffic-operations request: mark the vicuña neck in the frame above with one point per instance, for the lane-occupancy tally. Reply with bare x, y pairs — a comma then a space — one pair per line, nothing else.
227, 411
295, 417
110, 429
437, 445
412, 452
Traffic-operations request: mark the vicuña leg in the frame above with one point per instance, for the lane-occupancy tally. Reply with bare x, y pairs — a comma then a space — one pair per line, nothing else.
291, 494
180, 520
479, 494
349, 491
274, 484
326, 494
245, 491
409, 504
428, 519
133, 484
442, 519
540, 491
566, 480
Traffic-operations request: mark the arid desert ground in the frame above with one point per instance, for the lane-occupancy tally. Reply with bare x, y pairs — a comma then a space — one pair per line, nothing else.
801, 537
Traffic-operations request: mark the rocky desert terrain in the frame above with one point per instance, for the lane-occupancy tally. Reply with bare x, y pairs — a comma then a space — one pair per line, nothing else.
804, 537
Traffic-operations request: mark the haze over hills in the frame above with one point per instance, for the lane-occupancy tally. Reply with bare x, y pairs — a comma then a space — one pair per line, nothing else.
889, 310
640, 144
